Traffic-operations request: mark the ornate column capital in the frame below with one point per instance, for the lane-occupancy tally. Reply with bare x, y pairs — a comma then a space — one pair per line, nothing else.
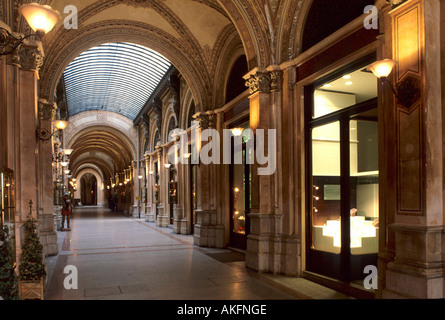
46, 110
206, 120
395, 3
31, 56
258, 80
159, 150
275, 74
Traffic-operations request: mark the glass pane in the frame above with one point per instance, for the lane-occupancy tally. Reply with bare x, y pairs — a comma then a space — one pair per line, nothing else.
326, 234
346, 91
7, 218
364, 183
239, 198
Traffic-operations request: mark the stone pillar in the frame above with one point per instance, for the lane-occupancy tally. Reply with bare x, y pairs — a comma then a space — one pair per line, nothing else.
149, 216
419, 246
162, 218
48, 234
208, 231
179, 220
29, 58
271, 245
136, 187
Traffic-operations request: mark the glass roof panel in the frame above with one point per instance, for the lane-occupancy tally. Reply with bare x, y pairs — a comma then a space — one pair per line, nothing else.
116, 77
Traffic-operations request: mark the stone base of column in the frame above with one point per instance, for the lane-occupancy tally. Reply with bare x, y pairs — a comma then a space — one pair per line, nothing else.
48, 235
417, 270
180, 226
270, 251
57, 217
135, 212
150, 216
162, 219
207, 232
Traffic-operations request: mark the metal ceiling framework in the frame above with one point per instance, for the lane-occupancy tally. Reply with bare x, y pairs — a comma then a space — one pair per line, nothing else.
117, 77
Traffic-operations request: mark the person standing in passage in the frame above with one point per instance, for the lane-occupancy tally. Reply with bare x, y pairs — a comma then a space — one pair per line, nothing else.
66, 212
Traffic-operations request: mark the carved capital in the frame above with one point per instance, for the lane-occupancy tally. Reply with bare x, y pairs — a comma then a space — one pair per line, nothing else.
259, 82
395, 3
31, 57
206, 120
275, 80
47, 110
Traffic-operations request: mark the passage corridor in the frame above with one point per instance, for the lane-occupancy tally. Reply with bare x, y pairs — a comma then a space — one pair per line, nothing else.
123, 258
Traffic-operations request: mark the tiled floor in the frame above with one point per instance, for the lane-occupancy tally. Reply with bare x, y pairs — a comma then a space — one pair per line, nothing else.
118, 257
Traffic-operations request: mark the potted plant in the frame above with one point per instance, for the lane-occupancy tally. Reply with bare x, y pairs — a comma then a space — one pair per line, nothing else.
8, 278
32, 271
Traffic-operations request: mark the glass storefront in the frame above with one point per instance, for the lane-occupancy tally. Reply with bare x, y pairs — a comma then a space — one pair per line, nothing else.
342, 149
7, 203
240, 191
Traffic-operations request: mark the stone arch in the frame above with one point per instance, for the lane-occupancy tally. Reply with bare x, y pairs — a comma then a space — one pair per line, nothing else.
236, 62
69, 46
169, 116
110, 121
154, 135
232, 50
100, 183
187, 104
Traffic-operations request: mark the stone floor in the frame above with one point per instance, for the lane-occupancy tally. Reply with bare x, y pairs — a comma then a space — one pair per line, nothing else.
119, 257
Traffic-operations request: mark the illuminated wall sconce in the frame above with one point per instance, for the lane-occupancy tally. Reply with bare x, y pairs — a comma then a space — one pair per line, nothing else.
187, 155
68, 152
167, 165
67, 171
41, 18
64, 163
45, 134
140, 177
151, 172
407, 91
237, 131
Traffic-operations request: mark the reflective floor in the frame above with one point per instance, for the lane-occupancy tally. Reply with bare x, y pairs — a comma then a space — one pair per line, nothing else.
118, 257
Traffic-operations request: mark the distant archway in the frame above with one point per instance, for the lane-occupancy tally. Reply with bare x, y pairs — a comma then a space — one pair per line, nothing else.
88, 190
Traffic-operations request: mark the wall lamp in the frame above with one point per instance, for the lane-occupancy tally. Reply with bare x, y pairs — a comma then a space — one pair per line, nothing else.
45, 134
237, 131
41, 18
406, 92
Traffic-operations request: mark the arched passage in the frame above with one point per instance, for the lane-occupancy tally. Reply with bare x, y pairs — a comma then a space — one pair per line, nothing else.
90, 191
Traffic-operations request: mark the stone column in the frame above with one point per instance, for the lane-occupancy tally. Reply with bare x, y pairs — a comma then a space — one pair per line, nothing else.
29, 57
136, 187
269, 247
208, 232
149, 217
417, 269
162, 218
48, 234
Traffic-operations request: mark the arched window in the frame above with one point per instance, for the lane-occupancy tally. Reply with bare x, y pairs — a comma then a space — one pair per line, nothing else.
236, 84
325, 17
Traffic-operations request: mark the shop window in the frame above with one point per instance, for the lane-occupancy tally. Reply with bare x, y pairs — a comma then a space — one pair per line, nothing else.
342, 149
7, 204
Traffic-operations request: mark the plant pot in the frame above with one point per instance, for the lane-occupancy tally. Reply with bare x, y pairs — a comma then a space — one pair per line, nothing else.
32, 289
